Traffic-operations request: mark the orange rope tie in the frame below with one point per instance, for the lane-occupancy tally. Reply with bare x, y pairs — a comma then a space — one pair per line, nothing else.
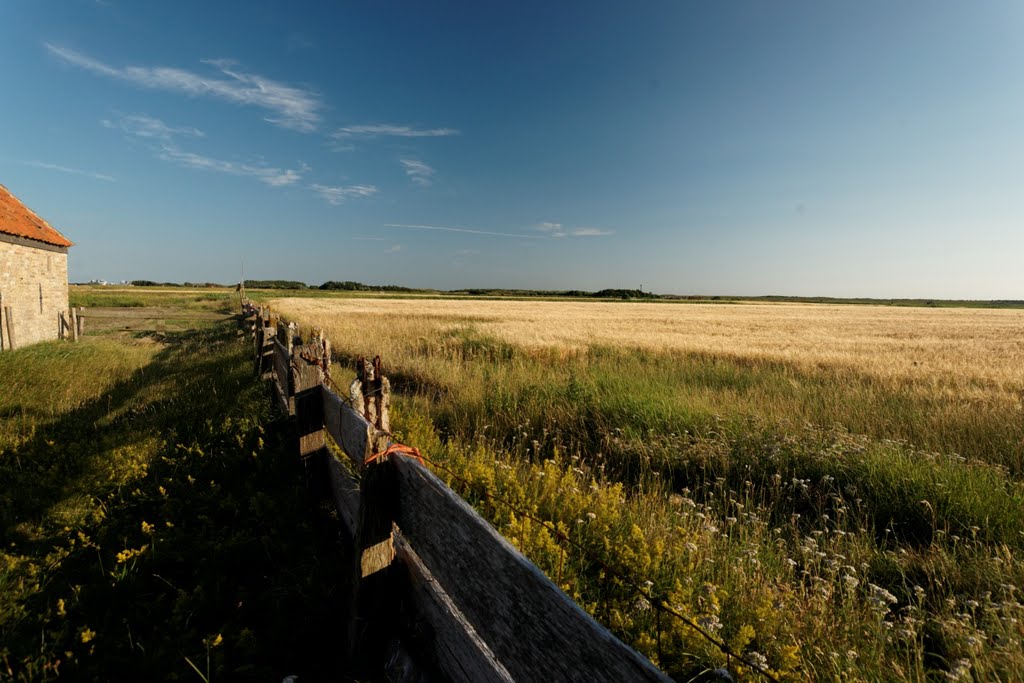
396, 449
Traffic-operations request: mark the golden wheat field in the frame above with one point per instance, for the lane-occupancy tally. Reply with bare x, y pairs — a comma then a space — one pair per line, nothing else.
852, 472
960, 349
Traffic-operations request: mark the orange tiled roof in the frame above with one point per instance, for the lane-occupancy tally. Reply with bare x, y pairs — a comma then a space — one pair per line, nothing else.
18, 219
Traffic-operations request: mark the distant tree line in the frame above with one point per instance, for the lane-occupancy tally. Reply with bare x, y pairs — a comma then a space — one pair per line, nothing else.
276, 284
151, 283
346, 286
353, 286
601, 294
350, 286
627, 294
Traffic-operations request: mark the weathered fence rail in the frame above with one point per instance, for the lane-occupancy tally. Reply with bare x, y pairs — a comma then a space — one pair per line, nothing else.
427, 569
143, 319
71, 323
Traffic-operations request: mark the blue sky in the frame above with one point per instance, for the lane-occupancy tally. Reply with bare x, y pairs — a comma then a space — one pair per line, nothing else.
842, 148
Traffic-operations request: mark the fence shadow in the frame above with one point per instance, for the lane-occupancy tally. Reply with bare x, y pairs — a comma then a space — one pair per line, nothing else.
209, 552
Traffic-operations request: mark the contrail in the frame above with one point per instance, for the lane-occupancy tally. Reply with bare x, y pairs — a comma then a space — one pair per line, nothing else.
67, 169
467, 230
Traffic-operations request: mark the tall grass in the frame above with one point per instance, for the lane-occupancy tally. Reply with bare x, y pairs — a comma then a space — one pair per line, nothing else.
830, 522
151, 515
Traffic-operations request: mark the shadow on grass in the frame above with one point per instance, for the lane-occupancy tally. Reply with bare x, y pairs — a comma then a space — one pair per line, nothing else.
192, 552
58, 461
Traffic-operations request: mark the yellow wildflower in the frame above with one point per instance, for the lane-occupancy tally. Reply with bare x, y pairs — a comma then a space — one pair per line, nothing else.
129, 553
86, 634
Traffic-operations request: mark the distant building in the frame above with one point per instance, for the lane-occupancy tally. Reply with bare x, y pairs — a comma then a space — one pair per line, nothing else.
33, 275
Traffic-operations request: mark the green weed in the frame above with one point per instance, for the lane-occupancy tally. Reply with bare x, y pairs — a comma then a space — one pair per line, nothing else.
147, 501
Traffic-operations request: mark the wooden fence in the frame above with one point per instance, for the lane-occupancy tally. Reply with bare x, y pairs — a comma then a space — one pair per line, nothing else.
427, 570
69, 326
71, 323
134, 319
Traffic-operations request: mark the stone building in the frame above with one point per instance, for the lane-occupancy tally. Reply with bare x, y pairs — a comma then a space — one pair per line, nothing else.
33, 275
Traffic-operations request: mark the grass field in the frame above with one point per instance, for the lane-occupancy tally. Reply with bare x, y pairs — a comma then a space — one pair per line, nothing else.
833, 490
154, 521
195, 298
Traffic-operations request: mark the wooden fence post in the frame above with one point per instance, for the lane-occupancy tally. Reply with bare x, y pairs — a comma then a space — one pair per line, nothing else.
265, 347
375, 595
11, 341
282, 345
290, 333
310, 363
370, 392
257, 343
376, 583
80, 321
247, 321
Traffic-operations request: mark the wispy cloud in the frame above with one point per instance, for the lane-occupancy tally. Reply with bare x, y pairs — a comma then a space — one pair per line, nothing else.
275, 177
68, 169
166, 148
419, 172
395, 248
549, 230
558, 230
142, 126
164, 145
552, 229
371, 239
471, 231
388, 129
288, 106
338, 195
